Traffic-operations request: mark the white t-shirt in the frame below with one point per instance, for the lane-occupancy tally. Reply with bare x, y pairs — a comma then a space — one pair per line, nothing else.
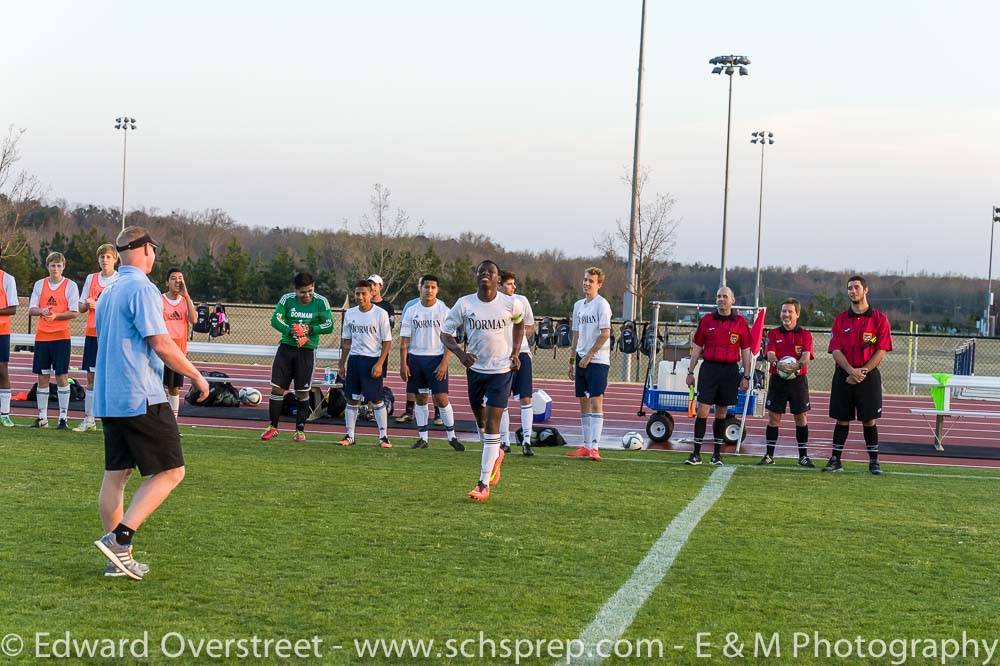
422, 325
588, 320
72, 294
10, 289
529, 320
103, 281
366, 330
487, 329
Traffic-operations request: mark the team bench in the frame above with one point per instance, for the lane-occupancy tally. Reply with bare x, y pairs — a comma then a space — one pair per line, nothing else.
941, 384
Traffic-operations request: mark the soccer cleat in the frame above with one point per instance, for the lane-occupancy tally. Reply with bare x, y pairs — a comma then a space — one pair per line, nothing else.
582, 452
346, 441
495, 473
40, 423
299, 436
716, 460
120, 556
804, 461
527, 450
595, 454
833, 465
456, 444
766, 460
505, 447
86, 425
420, 444
62, 425
384, 443
404, 418
269, 434
111, 571
5, 421
875, 469
481, 492
693, 459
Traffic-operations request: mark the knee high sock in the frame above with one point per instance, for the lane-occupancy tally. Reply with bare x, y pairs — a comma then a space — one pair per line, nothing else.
596, 428
700, 426
88, 404
718, 432
839, 439
527, 418
871, 442
420, 416
62, 392
5, 401
585, 428
491, 451
802, 438
382, 420
448, 417
771, 437
42, 398
274, 404
301, 413
174, 400
410, 406
350, 419
505, 427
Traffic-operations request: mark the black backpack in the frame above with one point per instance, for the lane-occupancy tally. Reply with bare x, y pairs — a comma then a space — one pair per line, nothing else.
545, 335
76, 392
628, 342
366, 412
290, 404
336, 403
220, 394
202, 325
564, 334
647, 340
218, 322
543, 436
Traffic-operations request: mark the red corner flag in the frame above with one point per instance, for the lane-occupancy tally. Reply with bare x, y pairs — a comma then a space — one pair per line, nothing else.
757, 331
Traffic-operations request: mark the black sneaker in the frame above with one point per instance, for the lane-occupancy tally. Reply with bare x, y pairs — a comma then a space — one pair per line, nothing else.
875, 469
693, 459
716, 460
804, 461
766, 460
420, 444
527, 450
40, 423
63, 425
456, 444
505, 448
833, 466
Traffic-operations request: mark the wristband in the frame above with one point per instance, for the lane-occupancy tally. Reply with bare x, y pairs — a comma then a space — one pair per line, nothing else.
690, 372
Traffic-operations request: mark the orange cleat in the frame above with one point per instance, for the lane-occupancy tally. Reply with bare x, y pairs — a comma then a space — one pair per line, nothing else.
595, 454
269, 434
481, 492
495, 473
384, 443
346, 441
582, 452
299, 436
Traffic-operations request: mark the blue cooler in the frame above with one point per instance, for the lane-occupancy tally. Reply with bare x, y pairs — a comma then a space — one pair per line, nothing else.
541, 406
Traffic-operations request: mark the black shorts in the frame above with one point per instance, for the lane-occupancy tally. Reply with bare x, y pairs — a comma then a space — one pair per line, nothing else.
149, 441
520, 379
360, 383
791, 392
861, 401
293, 364
51, 355
592, 381
494, 389
89, 353
172, 379
423, 375
718, 384
4, 348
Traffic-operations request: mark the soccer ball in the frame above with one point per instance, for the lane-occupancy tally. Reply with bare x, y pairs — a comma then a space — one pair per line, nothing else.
790, 360
632, 441
250, 396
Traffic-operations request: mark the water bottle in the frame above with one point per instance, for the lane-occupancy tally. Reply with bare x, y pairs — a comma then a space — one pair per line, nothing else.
329, 376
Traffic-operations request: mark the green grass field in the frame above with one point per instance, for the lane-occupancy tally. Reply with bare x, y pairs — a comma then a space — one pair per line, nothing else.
284, 540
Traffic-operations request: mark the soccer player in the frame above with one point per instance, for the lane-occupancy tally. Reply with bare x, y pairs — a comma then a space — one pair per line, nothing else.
364, 348
139, 428
423, 360
55, 300
179, 313
8, 307
301, 316
788, 340
492, 354
520, 383
722, 340
95, 283
861, 339
411, 399
591, 361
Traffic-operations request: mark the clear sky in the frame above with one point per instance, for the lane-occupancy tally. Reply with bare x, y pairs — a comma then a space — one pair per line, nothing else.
515, 119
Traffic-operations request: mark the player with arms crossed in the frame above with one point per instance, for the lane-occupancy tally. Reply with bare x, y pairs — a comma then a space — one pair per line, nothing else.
55, 301
492, 354
93, 286
364, 348
179, 313
789, 350
591, 361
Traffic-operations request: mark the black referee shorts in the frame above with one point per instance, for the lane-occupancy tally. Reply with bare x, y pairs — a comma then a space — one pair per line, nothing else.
718, 383
293, 364
149, 441
791, 393
861, 401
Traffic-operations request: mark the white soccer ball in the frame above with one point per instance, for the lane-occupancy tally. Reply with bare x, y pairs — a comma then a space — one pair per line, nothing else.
250, 396
787, 360
632, 441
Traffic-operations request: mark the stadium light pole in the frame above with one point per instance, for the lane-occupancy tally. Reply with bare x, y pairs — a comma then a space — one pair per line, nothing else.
764, 139
728, 65
988, 319
124, 123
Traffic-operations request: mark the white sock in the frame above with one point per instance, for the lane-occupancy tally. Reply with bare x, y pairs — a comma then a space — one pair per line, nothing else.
5, 401
491, 451
42, 398
420, 416
527, 418
88, 405
505, 428
482, 436
596, 428
175, 403
350, 419
448, 417
381, 420
585, 428
62, 392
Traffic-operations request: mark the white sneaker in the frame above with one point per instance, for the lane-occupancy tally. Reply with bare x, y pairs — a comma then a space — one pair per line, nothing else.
86, 425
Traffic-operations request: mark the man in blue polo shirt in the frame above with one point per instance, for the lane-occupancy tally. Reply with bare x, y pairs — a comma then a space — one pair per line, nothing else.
139, 427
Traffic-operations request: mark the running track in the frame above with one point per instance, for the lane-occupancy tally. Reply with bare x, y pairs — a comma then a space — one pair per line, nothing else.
621, 404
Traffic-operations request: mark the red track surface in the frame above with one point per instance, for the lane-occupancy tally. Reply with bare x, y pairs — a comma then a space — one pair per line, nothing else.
622, 402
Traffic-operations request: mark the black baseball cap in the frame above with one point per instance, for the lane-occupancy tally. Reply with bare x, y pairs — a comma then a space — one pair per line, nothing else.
144, 239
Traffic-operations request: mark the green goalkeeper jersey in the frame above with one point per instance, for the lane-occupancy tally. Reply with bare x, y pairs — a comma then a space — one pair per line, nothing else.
316, 316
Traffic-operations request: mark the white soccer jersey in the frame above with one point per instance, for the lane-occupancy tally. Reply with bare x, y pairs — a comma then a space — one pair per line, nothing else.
487, 329
72, 294
10, 289
588, 320
422, 325
529, 320
103, 281
366, 330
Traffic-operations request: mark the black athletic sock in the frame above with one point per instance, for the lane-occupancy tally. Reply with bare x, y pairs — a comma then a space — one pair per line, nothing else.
839, 439
871, 442
718, 431
700, 425
123, 534
274, 409
771, 437
802, 438
409, 407
301, 413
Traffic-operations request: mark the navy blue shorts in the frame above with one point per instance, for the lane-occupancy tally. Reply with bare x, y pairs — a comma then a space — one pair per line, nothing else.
520, 381
422, 375
51, 355
4, 348
495, 389
359, 381
89, 353
592, 381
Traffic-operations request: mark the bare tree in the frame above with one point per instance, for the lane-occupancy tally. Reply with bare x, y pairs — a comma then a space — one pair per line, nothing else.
219, 228
19, 194
655, 243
